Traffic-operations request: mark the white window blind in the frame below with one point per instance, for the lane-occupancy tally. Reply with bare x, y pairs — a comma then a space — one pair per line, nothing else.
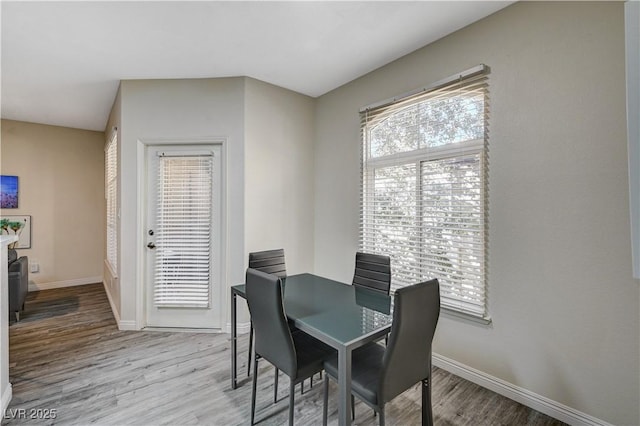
183, 238
111, 194
423, 188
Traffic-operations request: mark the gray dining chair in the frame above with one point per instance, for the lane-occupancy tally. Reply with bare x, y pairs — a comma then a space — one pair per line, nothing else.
373, 271
297, 355
378, 373
271, 262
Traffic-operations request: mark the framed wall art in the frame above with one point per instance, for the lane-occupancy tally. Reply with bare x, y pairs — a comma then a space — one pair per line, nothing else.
17, 225
8, 192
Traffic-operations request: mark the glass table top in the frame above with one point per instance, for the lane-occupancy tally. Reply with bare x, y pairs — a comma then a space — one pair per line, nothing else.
341, 313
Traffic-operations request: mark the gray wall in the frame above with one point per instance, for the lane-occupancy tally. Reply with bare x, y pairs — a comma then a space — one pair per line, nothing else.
278, 192
61, 176
279, 132
268, 172
565, 307
178, 110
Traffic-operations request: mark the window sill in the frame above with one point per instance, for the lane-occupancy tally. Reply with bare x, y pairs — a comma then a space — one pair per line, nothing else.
450, 313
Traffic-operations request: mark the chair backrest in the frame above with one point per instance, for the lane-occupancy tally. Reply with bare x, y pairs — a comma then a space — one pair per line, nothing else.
373, 271
407, 359
273, 337
269, 261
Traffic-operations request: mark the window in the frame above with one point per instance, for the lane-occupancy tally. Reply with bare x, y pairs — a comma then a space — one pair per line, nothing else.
423, 188
182, 276
111, 194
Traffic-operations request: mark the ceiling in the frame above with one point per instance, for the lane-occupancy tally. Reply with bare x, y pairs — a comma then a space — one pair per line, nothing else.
62, 61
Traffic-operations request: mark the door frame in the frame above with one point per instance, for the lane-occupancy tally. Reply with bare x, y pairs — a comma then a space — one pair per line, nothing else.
141, 206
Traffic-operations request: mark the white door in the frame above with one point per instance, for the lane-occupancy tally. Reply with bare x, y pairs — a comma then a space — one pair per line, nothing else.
183, 236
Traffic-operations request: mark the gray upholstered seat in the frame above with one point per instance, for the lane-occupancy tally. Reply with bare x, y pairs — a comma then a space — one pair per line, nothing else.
298, 355
379, 374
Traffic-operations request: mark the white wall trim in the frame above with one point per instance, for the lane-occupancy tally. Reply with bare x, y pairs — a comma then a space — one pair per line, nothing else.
530, 399
114, 311
116, 315
113, 273
5, 399
128, 325
632, 45
122, 324
242, 327
67, 283
184, 330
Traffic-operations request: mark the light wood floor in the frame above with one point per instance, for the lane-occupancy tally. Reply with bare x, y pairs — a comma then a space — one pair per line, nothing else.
67, 354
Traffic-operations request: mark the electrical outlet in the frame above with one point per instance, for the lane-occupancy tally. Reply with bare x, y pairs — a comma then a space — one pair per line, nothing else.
34, 267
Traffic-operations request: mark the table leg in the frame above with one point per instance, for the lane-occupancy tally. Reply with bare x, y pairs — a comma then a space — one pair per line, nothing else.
234, 338
344, 386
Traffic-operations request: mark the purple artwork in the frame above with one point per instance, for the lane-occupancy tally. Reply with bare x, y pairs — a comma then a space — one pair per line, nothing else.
8, 192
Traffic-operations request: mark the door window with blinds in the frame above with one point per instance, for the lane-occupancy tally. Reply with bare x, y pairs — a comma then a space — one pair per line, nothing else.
183, 231
424, 173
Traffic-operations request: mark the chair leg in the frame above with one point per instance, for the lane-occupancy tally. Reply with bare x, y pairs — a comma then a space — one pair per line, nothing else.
427, 411
292, 393
17, 316
381, 415
250, 348
353, 407
253, 390
326, 400
275, 387
302, 387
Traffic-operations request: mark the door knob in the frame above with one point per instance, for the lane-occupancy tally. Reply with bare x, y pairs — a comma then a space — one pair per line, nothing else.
151, 245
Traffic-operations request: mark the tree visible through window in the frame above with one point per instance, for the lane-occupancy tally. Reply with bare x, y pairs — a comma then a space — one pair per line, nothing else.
423, 198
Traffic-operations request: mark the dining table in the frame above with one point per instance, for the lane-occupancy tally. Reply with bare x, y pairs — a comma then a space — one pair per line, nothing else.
341, 315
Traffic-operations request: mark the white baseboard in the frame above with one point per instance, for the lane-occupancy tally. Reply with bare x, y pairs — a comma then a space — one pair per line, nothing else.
127, 325
60, 284
5, 398
242, 327
114, 310
530, 399
184, 330
122, 324
116, 315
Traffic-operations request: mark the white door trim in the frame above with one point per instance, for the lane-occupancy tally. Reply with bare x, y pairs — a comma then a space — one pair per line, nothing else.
141, 206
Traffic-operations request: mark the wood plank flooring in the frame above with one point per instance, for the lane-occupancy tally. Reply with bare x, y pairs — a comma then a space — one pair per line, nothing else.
67, 355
